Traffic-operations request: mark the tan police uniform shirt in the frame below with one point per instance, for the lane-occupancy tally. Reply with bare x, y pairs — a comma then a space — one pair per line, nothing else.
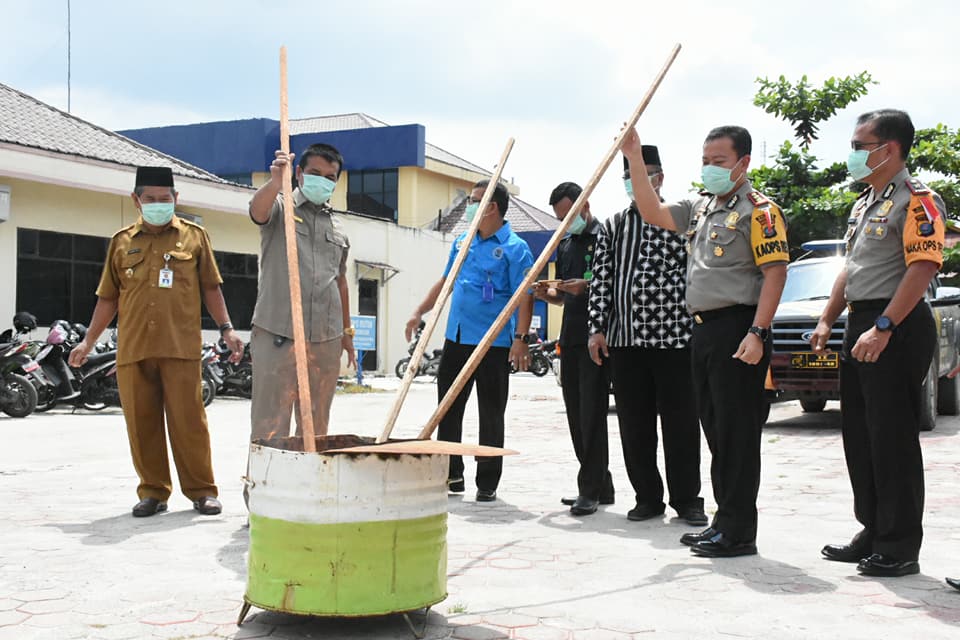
322, 248
889, 231
728, 241
158, 319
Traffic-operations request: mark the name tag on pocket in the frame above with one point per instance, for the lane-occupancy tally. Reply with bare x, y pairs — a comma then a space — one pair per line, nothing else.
166, 279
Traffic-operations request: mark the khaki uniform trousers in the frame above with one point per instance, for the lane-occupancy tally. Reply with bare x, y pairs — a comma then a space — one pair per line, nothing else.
149, 390
275, 383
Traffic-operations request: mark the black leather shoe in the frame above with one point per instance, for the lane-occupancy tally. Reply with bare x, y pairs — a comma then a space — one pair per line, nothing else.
645, 512
486, 495
845, 552
722, 546
456, 485
584, 506
693, 515
208, 506
884, 566
148, 507
569, 501
691, 539
604, 500
954, 582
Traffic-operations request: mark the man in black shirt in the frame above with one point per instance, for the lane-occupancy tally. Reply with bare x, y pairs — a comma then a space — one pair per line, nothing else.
638, 317
585, 385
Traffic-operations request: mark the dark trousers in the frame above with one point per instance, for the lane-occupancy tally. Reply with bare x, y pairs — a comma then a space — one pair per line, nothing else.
648, 382
585, 396
493, 384
729, 396
880, 403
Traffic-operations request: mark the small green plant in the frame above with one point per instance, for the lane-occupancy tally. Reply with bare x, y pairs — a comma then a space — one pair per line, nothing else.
457, 608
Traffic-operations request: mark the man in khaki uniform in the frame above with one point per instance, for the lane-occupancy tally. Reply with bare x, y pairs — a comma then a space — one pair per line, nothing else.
322, 248
894, 248
736, 269
155, 274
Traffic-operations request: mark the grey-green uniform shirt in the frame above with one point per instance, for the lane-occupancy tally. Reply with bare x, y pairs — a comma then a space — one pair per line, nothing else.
728, 242
322, 248
889, 231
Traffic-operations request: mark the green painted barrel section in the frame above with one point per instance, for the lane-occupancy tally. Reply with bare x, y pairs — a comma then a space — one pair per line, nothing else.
347, 569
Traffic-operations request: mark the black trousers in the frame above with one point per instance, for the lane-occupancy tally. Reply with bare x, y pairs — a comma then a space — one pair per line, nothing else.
493, 384
648, 382
880, 403
729, 396
585, 396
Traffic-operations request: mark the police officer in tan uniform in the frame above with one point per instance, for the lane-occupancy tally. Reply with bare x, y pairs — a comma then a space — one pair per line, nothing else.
322, 247
156, 272
736, 269
895, 246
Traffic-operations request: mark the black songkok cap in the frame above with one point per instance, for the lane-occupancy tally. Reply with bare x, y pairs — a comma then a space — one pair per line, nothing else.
650, 156
154, 177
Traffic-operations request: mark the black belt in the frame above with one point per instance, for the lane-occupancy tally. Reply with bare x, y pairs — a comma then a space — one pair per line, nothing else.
868, 305
706, 316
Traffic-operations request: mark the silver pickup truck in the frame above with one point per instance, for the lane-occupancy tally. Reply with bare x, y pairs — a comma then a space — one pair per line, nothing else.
796, 373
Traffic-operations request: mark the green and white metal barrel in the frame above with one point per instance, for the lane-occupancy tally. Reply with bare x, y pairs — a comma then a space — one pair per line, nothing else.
345, 534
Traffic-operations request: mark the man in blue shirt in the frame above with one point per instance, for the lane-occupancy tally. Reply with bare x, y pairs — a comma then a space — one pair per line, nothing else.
496, 264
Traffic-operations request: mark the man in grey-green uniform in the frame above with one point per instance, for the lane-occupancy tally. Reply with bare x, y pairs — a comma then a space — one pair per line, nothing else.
894, 248
737, 246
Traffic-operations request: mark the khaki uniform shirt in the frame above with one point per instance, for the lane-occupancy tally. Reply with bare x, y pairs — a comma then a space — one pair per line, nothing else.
888, 232
322, 248
728, 242
157, 321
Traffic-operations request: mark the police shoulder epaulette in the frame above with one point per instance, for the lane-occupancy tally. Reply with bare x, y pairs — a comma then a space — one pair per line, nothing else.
704, 193
129, 227
190, 223
758, 199
917, 187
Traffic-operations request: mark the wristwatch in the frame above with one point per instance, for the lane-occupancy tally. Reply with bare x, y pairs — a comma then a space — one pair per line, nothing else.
226, 326
760, 332
522, 337
883, 323
349, 331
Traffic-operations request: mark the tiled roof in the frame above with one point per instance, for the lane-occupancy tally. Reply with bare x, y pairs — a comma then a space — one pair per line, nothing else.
27, 122
346, 121
521, 215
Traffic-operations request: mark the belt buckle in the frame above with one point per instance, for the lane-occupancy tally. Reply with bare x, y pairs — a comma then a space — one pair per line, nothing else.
849, 307
698, 318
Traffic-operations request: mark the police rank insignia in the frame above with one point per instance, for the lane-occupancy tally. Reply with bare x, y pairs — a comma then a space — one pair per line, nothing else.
718, 251
731, 220
885, 207
879, 231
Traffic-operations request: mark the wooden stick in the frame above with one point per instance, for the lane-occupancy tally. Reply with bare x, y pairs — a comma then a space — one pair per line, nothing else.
293, 266
491, 335
442, 299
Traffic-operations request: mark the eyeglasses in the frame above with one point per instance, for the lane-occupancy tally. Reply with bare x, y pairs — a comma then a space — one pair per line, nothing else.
859, 146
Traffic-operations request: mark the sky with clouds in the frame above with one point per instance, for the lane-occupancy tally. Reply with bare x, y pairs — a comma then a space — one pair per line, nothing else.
559, 76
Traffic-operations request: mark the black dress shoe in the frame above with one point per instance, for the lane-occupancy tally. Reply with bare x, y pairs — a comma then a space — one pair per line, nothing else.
845, 552
691, 539
954, 582
486, 495
605, 500
456, 485
645, 512
569, 501
693, 515
584, 506
722, 546
208, 506
883, 566
148, 507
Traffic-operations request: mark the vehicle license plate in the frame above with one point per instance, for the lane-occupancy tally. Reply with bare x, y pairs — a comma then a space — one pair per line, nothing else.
809, 360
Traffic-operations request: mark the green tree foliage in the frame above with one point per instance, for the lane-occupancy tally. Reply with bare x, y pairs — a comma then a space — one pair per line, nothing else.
937, 150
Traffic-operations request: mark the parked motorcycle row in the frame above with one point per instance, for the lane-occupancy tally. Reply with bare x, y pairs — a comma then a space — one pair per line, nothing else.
36, 375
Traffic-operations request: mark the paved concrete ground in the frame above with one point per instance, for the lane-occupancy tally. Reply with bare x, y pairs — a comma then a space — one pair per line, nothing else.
75, 564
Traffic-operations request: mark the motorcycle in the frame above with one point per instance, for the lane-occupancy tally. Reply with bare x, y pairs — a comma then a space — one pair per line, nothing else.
429, 363
540, 362
23, 323
18, 397
92, 386
211, 374
236, 378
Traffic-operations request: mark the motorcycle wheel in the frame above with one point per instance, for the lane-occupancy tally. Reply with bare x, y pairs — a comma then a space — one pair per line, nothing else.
88, 403
401, 369
46, 399
24, 399
539, 366
208, 390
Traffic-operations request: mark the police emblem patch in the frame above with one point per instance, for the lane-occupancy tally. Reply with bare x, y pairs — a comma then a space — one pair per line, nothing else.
731, 220
498, 252
925, 229
885, 207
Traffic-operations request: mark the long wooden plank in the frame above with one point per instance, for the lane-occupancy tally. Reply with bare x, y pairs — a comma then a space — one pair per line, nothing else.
441, 302
544, 258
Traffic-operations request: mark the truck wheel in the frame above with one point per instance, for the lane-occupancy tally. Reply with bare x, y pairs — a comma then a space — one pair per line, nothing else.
928, 394
948, 396
813, 406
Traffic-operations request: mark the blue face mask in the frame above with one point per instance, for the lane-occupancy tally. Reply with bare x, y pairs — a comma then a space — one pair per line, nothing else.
628, 185
857, 163
317, 189
471, 211
716, 180
157, 213
578, 225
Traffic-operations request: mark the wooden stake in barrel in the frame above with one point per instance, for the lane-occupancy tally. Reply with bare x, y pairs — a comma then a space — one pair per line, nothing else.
441, 302
293, 266
541, 262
